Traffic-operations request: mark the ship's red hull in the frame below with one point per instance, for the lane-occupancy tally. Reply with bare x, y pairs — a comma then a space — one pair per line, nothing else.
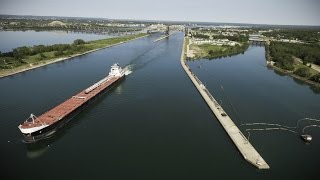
59, 115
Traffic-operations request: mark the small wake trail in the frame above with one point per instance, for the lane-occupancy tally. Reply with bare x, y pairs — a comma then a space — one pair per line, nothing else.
273, 126
141, 60
128, 69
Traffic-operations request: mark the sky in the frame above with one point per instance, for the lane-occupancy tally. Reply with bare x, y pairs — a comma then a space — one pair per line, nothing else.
283, 12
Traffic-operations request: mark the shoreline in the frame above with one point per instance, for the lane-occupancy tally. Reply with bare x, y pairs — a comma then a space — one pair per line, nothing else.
289, 73
51, 61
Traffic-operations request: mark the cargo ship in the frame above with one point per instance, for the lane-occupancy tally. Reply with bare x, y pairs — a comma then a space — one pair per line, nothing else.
37, 128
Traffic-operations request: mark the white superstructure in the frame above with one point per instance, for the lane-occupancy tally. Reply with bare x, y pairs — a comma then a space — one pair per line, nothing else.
116, 71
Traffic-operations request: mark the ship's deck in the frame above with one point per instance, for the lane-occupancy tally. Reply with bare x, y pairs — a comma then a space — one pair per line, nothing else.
62, 110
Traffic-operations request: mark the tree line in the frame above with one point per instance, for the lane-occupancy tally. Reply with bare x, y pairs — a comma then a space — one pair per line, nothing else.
238, 38
228, 51
22, 55
24, 51
283, 55
306, 35
282, 52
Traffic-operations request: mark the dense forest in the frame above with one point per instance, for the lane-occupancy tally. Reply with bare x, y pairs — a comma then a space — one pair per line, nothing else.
238, 38
305, 35
284, 54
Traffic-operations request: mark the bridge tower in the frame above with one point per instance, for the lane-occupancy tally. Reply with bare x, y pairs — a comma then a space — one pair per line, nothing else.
168, 30
186, 31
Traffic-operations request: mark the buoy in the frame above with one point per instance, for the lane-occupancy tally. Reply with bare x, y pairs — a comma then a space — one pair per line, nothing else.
306, 137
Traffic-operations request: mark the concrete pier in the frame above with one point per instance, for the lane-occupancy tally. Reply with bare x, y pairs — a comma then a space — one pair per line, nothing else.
244, 146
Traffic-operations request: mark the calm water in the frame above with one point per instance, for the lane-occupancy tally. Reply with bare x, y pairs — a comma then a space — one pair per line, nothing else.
13, 39
155, 125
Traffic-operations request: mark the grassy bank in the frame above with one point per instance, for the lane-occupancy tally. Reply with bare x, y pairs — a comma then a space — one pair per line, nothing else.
214, 51
26, 58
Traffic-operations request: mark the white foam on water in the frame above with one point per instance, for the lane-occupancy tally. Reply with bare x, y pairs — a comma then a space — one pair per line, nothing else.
128, 70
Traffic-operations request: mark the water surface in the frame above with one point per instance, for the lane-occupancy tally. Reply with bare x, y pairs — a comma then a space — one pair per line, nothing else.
155, 125
14, 39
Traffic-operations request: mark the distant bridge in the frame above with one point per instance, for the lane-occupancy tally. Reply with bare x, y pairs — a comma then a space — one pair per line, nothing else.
257, 39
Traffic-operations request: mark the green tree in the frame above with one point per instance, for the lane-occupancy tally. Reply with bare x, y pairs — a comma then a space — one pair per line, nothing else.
17, 54
303, 72
315, 78
39, 49
42, 56
58, 53
211, 53
78, 42
309, 59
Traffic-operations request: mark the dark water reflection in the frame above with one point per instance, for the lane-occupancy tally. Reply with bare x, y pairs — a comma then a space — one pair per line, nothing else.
252, 93
155, 125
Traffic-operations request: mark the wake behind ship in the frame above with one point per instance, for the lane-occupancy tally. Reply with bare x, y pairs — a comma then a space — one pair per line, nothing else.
37, 128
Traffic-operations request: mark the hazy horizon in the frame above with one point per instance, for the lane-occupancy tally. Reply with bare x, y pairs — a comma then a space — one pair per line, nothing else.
273, 12
152, 20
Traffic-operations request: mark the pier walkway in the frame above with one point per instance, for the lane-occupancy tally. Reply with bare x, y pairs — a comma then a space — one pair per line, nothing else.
246, 149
